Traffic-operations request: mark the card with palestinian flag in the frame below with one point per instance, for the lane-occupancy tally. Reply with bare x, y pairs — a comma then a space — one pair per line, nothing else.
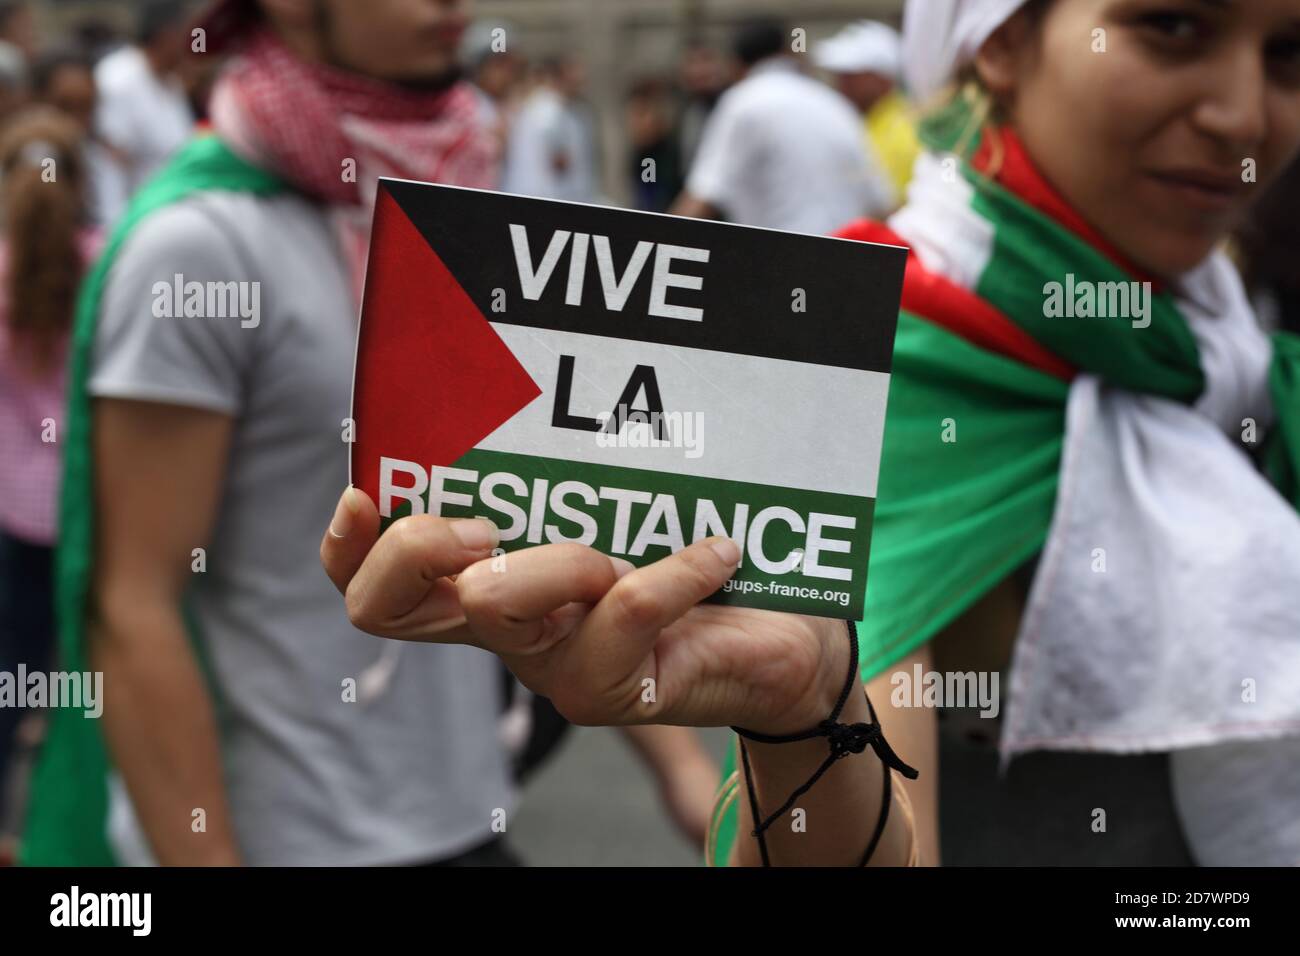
628, 380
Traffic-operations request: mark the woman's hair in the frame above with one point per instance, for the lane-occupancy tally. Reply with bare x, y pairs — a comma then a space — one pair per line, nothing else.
965, 111
41, 201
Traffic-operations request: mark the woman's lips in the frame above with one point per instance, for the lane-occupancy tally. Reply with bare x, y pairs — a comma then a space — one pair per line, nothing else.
1206, 190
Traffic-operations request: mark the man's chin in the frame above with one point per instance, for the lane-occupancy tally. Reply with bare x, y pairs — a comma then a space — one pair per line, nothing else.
428, 82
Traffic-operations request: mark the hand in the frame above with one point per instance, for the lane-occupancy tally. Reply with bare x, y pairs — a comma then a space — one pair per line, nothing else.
607, 643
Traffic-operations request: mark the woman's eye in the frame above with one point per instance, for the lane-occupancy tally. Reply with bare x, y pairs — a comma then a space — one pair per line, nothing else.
1172, 24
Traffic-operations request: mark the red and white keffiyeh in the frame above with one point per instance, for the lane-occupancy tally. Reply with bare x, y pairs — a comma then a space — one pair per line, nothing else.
332, 133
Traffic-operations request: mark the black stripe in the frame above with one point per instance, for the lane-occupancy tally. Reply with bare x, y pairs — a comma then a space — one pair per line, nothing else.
850, 289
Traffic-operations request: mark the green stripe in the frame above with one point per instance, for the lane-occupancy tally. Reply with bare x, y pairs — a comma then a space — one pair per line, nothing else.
953, 518
684, 493
1030, 250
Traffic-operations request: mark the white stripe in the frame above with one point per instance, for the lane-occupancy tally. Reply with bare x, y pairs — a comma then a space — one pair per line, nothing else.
762, 420
939, 223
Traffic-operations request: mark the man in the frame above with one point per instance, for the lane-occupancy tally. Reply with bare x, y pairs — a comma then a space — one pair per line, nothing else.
864, 61
493, 66
144, 114
64, 78
650, 134
782, 150
245, 720
552, 153
703, 75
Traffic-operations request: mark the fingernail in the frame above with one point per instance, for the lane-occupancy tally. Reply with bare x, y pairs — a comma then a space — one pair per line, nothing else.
622, 567
727, 550
341, 523
476, 534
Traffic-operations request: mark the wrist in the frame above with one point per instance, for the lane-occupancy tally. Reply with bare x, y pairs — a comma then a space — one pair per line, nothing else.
816, 704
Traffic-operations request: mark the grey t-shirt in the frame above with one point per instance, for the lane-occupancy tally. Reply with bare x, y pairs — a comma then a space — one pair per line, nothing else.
413, 769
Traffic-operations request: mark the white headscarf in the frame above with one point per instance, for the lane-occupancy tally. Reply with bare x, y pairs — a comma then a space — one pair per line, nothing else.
942, 36
866, 46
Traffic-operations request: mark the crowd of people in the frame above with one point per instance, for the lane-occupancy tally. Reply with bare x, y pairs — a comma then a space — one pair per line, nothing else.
164, 484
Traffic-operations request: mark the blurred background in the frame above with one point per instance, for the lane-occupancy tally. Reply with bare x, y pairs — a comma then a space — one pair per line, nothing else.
653, 54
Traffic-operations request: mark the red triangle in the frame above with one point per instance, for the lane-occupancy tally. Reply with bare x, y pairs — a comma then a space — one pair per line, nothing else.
433, 378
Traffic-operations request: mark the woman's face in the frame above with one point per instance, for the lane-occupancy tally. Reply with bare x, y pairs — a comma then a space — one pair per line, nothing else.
1158, 120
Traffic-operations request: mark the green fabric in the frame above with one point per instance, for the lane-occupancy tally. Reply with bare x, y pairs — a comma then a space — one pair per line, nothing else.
1029, 250
953, 518
1282, 450
69, 795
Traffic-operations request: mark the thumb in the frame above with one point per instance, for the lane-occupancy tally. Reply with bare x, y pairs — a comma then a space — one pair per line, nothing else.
351, 534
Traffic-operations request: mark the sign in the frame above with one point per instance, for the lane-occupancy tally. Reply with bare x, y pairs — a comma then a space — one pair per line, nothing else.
630, 381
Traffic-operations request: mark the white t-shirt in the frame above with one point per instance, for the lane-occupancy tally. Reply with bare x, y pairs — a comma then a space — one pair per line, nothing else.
550, 152
785, 151
144, 117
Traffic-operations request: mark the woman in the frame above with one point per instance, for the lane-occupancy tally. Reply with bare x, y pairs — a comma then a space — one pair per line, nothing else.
1099, 146
45, 250
1082, 149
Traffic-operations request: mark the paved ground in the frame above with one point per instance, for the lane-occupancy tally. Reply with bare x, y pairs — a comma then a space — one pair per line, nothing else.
594, 804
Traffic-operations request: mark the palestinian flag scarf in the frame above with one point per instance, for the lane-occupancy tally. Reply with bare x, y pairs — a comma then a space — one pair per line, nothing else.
990, 383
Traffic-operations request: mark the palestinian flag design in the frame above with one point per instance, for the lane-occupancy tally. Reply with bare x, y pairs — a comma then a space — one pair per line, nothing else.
631, 381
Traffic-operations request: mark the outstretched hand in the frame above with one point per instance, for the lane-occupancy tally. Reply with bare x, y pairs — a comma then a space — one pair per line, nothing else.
607, 643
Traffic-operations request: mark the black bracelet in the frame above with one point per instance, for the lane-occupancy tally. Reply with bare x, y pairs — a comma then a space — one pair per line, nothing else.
844, 739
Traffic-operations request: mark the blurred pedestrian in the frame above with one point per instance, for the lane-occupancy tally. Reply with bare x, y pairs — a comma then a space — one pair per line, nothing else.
97, 36
864, 62
144, 113
552, 151
204, 444
654, 167
703, 76
495, 72
64, 78
45, 249
781, 149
